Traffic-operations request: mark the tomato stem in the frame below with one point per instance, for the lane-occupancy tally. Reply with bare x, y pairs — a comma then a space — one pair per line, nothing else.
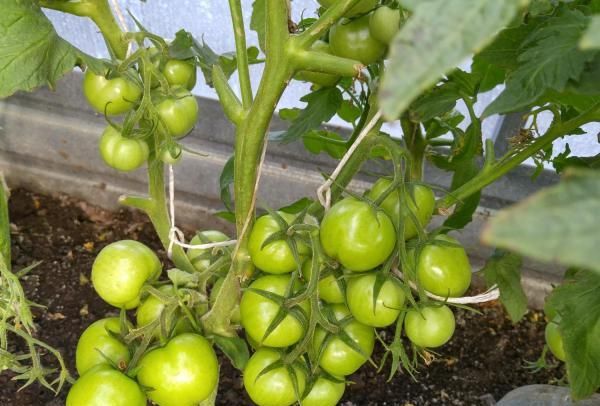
237, 19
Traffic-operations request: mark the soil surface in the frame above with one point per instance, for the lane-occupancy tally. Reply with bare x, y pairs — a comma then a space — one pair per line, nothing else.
484, 360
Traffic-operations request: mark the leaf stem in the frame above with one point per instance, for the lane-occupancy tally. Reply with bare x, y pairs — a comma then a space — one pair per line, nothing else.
237, 19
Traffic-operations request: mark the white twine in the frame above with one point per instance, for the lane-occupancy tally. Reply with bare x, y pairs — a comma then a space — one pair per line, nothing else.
489, 295
324, 191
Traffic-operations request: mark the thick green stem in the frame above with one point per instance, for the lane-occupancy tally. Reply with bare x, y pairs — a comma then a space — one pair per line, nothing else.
416, 144
240, 49
513, 158
100, 13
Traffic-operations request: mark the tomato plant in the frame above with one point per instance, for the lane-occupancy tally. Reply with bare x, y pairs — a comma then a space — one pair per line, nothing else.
100, 343
123, 154
112, 96
374, 300
357, 235
430, 326
121, 269
104, 385
184, 372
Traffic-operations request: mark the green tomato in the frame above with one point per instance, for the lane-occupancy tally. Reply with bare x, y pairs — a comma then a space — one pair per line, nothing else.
352, 39
357, 236
362, 7
171, 155
202, 258
554, 340
182, 373
105, 386
337, 357
257, 313
325, 392
120, 153
178, 113
275, 257
180, 73
387, 306
235, 315
99, 342
152, 308
318, 78
384, 24
330, 288
120, 271
423, 210
444, 270
431, 328
276, 387
110, 96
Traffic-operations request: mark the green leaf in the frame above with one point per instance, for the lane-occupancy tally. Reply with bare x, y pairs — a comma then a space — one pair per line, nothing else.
578, 304
564, 161
31, 52
436, 38
558, 224
548, 60
317, 141
225, 182
504, 269
591, 36
297, 206
321, 105
465, 170
4, 223
348, 111
258, 21
435, 102
235, 349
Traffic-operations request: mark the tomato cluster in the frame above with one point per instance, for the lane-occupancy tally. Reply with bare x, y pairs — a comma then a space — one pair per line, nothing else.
149, 128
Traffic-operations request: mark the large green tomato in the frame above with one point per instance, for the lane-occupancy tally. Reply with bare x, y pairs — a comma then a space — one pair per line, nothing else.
325, 392
275, 257
257, 313
357, 236
362, 7
276, 387
554, 340
121, 269
235, 314
202, 258
444, 270
182, 373
352, 39
180, 73
152, 308
105, 386
99, 342
120, 153
384, 24
423, 210
178, 112
338, 358
430, 328
330, 288
379, 313
318, 78
110, 96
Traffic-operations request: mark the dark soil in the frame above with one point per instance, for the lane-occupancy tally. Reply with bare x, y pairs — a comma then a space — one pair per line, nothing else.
484, 360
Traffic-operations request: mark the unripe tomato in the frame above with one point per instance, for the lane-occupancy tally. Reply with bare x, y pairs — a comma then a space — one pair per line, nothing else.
99, 342
363, 6
200, 257
423, 210
318, 78
325, 392
430, 328
120, 153
384, 23
276, 387
182, 373
171, 155
554, 340
110, 96
235, 314
444, 270
180, 73
353, 40
258, 312
179, 112
338, 358
103, 386
121, 269
275, 257
152, 307
330, 289
357, 236
387, 306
